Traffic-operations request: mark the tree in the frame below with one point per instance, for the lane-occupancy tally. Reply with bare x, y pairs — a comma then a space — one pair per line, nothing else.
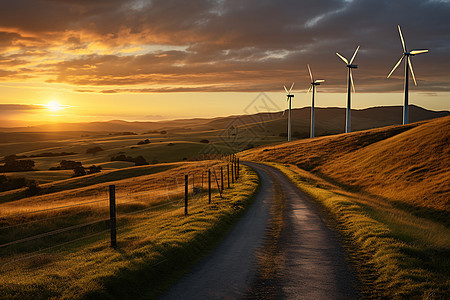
79, 171
69, 164
13, 165
33, 187
94, 169
94, 150
140, 161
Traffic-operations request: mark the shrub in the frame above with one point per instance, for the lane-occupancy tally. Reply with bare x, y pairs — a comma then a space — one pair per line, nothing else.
8, 183
79, 171
94, 169
144, 142
204, 141
69, 164
94, 150
138, 161
13, 165
33, 187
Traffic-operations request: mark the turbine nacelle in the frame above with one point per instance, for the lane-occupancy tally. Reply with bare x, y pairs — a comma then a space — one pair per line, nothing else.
415, 52
352, 66
317, 82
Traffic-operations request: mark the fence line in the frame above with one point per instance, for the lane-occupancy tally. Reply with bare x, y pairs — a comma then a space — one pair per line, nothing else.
55, 208
116, 205
45, 219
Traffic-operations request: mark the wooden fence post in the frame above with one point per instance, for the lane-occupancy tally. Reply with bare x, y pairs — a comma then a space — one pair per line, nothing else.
186, 192
112, 215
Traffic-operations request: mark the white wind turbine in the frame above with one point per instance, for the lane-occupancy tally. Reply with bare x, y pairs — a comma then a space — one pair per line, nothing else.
288, 99
350, 66
313, 88
408, 65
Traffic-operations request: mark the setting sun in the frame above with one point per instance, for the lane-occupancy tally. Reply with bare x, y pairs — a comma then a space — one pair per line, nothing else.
54, 106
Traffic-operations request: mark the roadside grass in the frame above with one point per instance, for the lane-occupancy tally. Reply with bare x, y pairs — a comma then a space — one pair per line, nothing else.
156, 245
397, 254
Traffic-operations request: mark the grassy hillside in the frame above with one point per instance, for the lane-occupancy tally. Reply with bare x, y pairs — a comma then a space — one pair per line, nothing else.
387, 192
157, 243
408, 163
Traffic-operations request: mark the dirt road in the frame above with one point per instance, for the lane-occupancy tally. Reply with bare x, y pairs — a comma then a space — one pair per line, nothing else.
297, 257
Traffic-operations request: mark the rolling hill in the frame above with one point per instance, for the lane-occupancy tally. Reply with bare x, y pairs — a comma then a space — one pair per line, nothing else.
329, 121
410, 164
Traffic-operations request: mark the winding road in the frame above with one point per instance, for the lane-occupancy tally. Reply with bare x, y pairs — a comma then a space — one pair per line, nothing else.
297, 258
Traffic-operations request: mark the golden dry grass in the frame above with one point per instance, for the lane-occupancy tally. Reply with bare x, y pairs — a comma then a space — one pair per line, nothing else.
154, 246
409, 164
397, 254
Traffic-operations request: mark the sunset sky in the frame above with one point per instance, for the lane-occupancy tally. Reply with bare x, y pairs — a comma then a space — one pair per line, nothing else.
85, 60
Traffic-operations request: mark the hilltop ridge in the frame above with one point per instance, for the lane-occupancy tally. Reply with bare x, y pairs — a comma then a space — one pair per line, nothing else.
329, 120
409, 163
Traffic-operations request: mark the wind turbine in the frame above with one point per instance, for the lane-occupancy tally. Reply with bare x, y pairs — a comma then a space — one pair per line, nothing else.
408, 65
313, 88
289, 100
350, 66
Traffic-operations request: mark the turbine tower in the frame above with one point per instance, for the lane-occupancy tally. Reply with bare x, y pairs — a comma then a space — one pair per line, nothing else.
408, 65
350, 85
313, 88
289, 100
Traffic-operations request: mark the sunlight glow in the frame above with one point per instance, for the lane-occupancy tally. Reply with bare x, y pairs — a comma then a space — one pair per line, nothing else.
54, 106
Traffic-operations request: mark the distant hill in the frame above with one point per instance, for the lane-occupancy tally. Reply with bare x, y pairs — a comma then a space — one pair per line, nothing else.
408, 163
329, 121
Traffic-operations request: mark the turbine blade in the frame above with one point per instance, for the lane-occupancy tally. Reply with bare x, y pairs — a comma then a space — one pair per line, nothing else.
319, 81
414, 52
351, 80
401, 37
395, 67
291, 88
412, 72
354, 55
286, 90
310, 73
343, 58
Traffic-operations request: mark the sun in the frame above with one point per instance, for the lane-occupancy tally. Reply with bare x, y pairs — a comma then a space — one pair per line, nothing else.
54, 106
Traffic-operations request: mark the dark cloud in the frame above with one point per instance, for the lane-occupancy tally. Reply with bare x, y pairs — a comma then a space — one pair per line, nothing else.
225, 45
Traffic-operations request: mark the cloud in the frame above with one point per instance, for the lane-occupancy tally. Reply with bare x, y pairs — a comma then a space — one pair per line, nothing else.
20, 107
169, 46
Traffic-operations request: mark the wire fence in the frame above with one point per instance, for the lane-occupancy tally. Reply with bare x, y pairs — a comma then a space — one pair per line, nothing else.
33, 233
